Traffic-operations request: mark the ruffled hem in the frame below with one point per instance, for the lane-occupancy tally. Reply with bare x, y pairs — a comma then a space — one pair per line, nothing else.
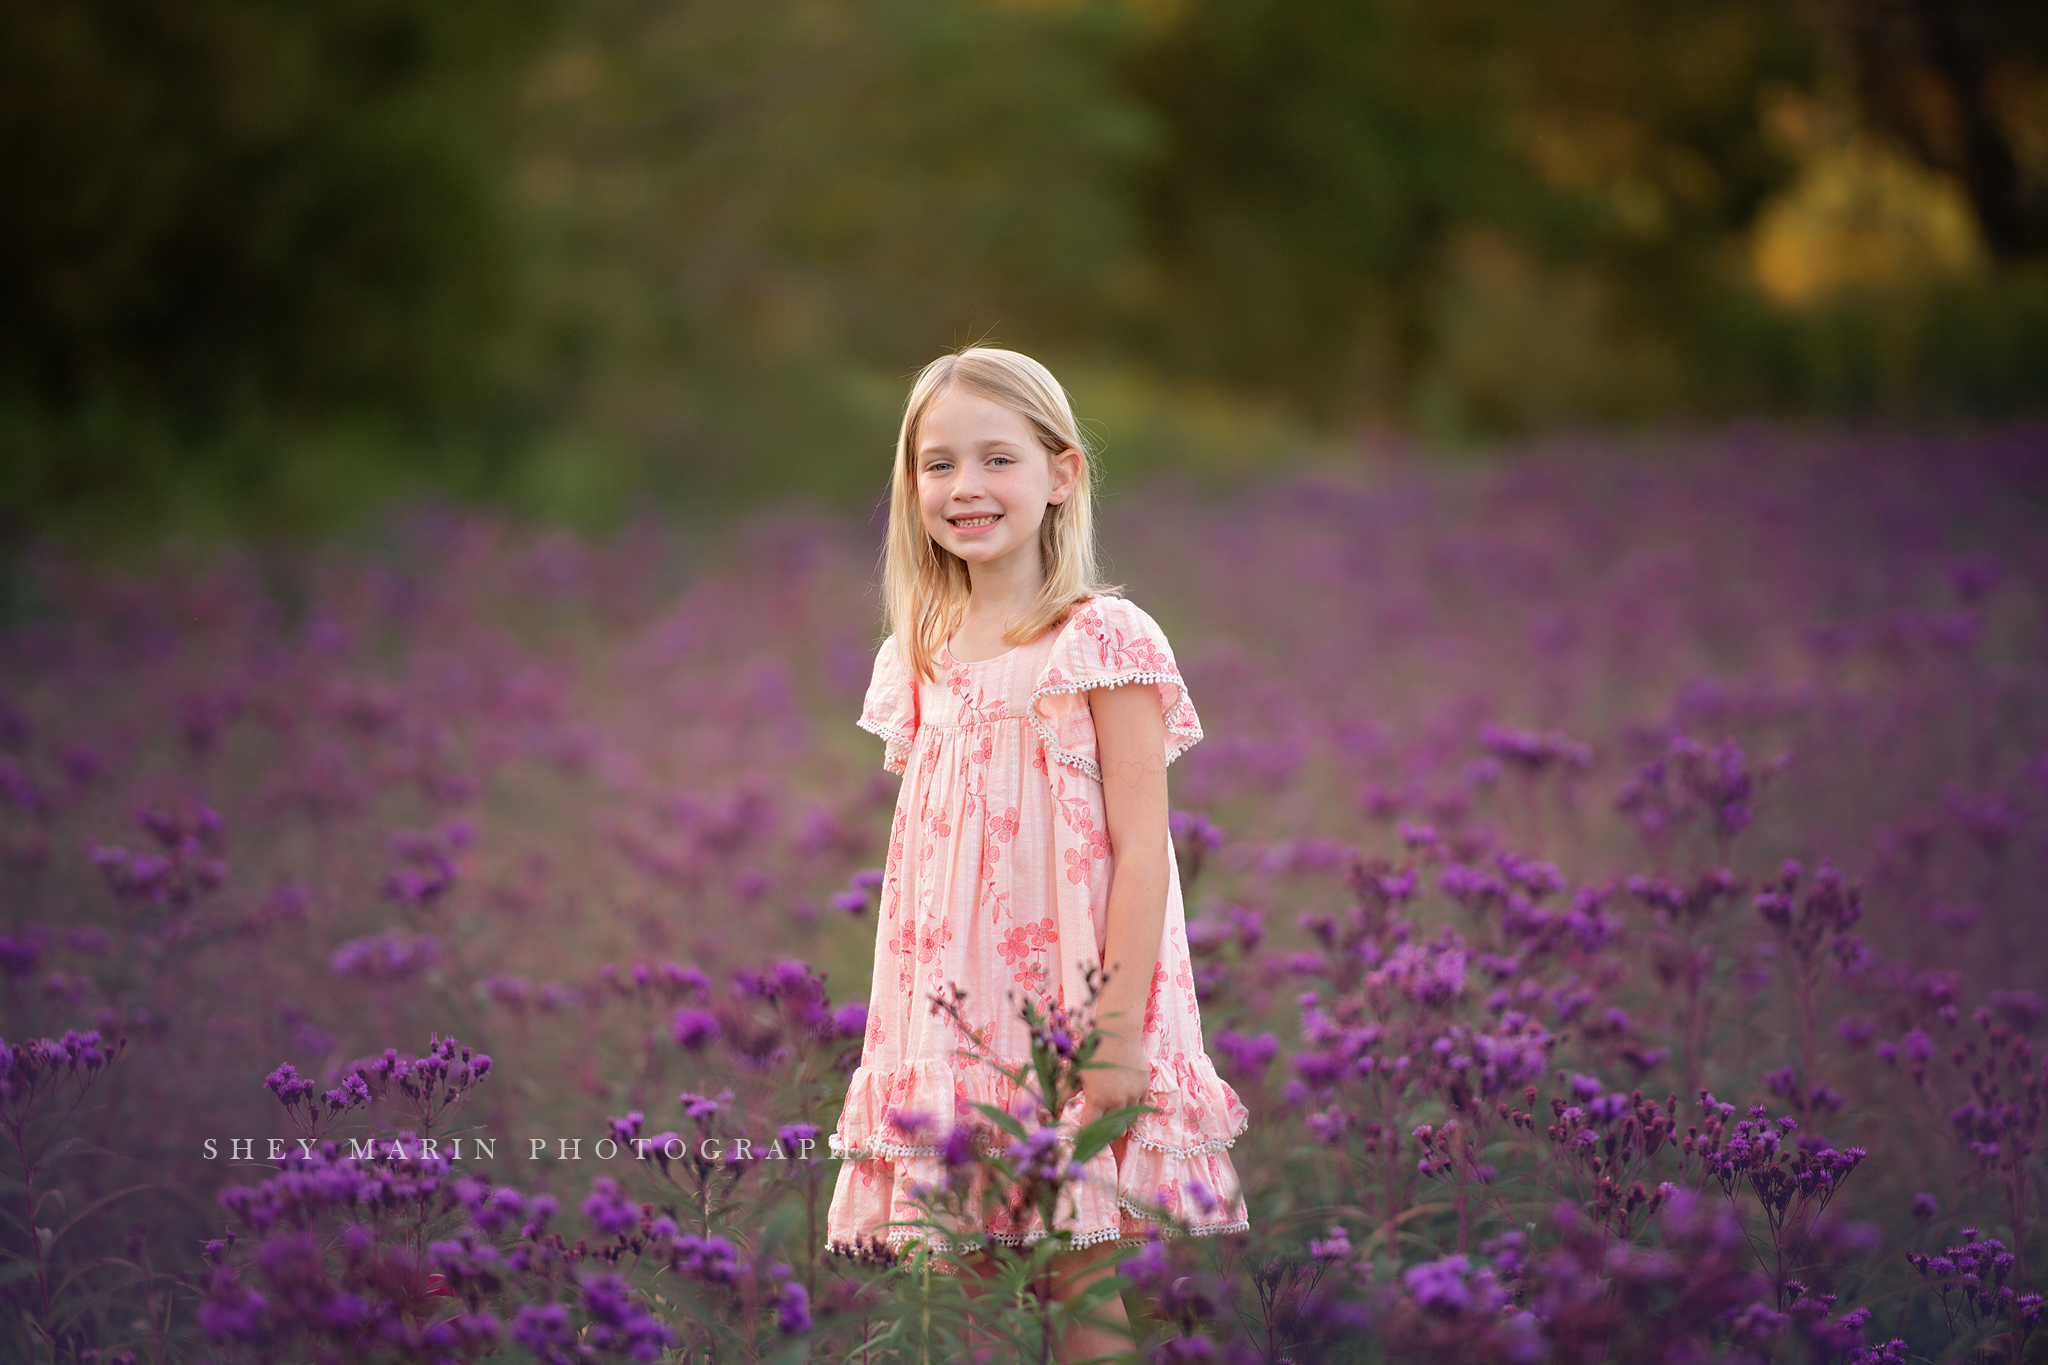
896, 750
1107, 642
890, 707
876, 1201
1168, 1155
899, 1239
1197, 1110
1180, 737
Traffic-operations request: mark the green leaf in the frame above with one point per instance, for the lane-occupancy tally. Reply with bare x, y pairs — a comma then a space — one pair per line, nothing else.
22, 1269
1016, 1075
1048, 1075
76, 1146
1378, 1235
889, 1334
1106, 1129
102, 1200
1003, 1120
92, 1265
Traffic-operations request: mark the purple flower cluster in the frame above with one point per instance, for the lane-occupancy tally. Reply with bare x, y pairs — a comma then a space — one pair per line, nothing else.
1787, 1180
32, 1070
426, 869
383, 1173
791, 1300
1451, 1287
859, 888
1477, 963
389, 956
1976, 1272
429, 1087
1535, 753
295, 1093
619, 1323
712, 1260
187, 869
1691, 782
610, 1211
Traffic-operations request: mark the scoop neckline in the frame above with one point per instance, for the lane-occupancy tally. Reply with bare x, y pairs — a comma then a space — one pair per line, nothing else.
947, 645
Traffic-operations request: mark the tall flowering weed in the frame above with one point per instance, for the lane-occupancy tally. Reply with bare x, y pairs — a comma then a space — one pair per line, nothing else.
1610, 888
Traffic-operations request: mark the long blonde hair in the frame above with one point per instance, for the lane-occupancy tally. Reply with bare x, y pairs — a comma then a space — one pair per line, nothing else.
924, 585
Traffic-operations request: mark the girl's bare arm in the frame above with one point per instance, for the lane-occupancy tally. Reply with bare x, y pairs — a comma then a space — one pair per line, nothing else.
1130, 742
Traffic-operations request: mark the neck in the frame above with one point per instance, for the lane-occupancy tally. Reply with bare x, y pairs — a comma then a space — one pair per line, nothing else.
1000, 593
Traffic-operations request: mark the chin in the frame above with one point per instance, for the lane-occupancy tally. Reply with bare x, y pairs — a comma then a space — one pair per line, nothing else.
974, 549
976, 554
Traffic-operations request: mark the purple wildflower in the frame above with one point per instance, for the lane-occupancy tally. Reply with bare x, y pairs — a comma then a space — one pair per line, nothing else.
693, 1029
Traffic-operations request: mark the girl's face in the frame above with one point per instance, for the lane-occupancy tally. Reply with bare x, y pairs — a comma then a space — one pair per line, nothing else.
984, 480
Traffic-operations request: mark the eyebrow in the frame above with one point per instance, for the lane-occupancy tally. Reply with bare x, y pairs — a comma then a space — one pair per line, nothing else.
999, 443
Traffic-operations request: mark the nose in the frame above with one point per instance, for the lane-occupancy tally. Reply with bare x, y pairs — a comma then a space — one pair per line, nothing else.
967, 484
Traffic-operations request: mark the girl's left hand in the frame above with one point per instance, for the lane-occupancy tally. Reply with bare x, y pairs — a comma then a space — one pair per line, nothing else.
1118, 1078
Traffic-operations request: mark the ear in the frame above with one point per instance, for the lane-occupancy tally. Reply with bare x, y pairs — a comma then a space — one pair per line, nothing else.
1066, 474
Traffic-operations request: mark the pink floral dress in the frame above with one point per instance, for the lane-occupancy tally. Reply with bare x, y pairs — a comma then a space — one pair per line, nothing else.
998, 880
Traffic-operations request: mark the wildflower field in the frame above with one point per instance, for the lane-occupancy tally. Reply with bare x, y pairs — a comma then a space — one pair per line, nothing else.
1615, 880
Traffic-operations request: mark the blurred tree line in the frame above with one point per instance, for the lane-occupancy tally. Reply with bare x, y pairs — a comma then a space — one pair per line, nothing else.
264, 262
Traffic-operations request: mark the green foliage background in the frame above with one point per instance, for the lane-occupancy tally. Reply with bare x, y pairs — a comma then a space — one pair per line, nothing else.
267, 264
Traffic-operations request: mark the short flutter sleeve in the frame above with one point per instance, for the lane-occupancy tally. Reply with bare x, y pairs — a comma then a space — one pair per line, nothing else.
890, 709
1107, 642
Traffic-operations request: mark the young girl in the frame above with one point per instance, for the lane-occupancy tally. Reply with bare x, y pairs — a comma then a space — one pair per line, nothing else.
1032, 714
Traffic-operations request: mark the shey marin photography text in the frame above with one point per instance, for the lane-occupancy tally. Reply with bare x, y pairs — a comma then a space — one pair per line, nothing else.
663, 1147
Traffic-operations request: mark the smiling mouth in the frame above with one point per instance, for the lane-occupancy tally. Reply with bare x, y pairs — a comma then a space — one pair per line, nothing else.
975, 523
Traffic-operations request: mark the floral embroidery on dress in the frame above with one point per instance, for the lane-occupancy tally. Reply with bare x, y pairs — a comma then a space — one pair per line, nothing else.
903, 943
1120, 653
976, 708
1184, 977
1027, 941
996, 831
1077, 865
1107, 643
997, 881
935, 938
890, 709
892, 888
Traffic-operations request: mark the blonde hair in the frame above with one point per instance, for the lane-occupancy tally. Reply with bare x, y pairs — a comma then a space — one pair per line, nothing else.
924, 585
